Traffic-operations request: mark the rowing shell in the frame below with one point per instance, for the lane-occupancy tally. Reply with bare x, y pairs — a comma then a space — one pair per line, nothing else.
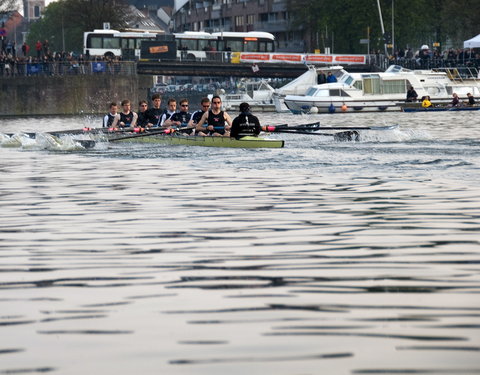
208, 141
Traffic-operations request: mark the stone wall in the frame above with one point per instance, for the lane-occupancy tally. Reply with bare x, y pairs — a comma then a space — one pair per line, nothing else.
69, 95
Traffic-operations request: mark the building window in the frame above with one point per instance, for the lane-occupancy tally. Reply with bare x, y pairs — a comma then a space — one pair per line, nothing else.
250, 19
36, 11
239, 20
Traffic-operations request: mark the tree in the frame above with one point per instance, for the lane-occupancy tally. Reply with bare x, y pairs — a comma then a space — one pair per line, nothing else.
341, 25
91, 14
64, 22
8, 5
461, 20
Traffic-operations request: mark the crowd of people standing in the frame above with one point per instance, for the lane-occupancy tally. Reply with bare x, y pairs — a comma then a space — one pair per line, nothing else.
42, 60
427, 58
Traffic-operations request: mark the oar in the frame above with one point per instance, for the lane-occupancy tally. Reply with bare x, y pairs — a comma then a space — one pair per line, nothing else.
351, 135
312, 125
389, 127
151, 133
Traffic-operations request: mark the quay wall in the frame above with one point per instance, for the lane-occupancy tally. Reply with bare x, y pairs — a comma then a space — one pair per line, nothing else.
69, 94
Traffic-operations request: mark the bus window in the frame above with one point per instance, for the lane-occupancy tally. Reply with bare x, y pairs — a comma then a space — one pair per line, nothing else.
111, 42
264, 46
250, 45
95, 42
236, 45
128, 43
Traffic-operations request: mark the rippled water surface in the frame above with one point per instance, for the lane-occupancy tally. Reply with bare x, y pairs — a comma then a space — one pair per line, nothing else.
319, 258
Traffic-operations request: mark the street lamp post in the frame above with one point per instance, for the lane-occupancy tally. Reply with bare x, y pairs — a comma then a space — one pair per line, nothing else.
383, 28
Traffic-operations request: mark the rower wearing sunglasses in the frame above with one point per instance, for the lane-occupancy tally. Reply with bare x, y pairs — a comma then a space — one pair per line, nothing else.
181, 118
217, 122
197, 115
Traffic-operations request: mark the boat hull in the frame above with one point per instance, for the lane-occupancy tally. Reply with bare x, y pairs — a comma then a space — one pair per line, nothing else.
302, 104
439, 109
209, 141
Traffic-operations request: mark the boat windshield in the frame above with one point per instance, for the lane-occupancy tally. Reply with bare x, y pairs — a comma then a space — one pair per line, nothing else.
348, 79
397, 69
311, 91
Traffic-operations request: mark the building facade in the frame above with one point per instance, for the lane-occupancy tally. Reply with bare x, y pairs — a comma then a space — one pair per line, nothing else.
239, 15
33, 9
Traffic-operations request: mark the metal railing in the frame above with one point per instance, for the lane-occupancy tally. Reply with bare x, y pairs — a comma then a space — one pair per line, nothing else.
12, 68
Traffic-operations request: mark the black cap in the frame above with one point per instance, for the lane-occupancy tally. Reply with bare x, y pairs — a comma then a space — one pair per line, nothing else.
244, 107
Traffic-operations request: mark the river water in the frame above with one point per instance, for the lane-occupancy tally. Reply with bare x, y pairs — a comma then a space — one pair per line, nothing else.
319, 258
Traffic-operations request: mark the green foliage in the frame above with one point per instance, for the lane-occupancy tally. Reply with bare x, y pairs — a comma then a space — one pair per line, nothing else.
64, 22
8, 5
341, 25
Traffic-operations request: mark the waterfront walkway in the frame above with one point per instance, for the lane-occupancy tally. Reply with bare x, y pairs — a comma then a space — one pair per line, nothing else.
17, 67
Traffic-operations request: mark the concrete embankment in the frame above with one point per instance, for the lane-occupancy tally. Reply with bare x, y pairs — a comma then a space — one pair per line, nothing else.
69, 95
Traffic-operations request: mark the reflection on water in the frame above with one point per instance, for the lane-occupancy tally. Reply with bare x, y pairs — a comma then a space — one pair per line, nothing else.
320, 258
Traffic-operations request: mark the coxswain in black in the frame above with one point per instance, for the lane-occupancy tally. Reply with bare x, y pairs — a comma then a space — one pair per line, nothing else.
245, 123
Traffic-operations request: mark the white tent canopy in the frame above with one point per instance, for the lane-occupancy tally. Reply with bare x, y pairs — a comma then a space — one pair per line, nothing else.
472, 43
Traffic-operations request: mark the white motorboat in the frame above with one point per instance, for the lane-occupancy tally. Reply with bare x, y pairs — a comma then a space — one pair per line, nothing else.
365, 92
259, 94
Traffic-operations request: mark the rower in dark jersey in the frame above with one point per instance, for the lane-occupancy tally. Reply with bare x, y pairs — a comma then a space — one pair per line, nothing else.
110, 116
142, 120
126, 118
197, 115
218, 122
155, 113
181, 119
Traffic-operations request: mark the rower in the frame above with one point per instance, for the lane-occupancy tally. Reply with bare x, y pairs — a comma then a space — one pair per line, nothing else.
166, 119
126, 118
155, 113
142, 120
245, 123
110, 116
197, 115
183, 117
215, 119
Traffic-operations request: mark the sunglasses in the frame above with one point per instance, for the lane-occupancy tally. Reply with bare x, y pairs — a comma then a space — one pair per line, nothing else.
184, 105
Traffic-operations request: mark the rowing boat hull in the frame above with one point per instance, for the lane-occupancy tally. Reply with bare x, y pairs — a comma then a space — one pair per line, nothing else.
209, 141
439, 109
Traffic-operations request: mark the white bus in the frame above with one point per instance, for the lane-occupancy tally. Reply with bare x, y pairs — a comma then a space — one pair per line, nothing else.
196, 45
114, 43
